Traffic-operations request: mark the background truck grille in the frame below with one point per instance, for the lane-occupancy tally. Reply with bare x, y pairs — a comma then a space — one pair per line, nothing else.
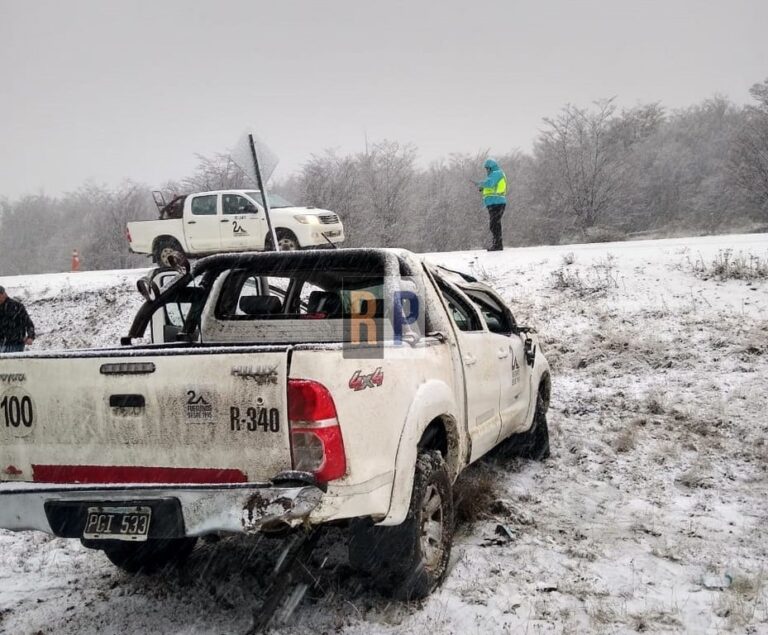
329, 219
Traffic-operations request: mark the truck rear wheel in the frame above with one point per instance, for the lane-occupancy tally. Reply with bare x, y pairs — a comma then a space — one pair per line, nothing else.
149, 556
409, 561
167, 249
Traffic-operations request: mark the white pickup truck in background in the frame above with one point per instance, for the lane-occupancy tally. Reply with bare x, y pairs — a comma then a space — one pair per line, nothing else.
230, 220
280, 391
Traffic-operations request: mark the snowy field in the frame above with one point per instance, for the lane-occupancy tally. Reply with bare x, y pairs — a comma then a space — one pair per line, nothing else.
650, 516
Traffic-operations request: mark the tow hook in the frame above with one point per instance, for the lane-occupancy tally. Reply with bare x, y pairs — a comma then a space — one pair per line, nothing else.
530, 351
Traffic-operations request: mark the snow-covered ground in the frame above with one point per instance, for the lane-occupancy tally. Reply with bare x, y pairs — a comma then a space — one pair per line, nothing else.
651, 514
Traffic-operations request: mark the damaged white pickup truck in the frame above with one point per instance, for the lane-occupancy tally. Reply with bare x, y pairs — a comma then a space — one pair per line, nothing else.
277, 392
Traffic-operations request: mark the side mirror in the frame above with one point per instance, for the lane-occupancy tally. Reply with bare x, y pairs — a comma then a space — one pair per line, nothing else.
529, 349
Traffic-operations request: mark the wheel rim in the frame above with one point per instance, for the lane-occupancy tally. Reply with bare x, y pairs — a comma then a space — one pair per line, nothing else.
286, 244
432, 527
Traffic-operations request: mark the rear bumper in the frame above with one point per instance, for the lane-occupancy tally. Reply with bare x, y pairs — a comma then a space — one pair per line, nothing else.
138, 250
239, 508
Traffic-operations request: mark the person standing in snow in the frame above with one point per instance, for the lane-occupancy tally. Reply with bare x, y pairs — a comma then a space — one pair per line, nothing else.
16, 328
494, 189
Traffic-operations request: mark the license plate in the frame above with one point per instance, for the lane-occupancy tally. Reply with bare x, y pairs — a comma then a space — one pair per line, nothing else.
118, 523
333, 234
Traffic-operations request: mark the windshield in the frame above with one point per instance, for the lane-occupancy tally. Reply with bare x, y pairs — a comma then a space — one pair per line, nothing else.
275, 200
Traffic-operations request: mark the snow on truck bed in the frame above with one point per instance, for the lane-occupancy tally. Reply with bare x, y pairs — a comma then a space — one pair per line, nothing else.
651, 515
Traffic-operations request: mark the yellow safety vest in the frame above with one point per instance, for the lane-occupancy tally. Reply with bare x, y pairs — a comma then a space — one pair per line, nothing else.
499, 190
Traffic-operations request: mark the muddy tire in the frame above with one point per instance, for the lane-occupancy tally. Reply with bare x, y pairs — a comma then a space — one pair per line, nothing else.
286, 241
166, 250
534, 443
150, 556
409, 561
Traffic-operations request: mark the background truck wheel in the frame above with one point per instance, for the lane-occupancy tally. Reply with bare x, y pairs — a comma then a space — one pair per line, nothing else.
534, 443
409, 561
286, 239
149, 556
165, 249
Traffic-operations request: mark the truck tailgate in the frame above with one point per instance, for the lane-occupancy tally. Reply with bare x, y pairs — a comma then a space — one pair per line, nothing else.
197, 416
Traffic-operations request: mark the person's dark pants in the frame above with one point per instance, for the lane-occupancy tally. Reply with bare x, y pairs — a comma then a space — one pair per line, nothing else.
11, 347
495, 212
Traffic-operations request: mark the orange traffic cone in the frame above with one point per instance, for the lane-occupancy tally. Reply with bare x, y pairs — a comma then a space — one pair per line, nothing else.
75, 260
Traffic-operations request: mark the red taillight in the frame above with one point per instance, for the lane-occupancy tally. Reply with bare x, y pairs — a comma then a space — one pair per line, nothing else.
309, 401
316, 441
128, 234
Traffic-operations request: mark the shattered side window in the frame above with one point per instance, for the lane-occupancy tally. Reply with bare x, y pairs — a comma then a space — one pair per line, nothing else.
463, 315
494, 315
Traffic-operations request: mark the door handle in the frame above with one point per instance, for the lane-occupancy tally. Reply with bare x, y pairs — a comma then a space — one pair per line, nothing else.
502, 353
470, 359
191, 222
224, 220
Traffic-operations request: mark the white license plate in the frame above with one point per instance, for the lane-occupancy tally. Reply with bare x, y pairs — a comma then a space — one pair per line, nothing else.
118, 523
333, 234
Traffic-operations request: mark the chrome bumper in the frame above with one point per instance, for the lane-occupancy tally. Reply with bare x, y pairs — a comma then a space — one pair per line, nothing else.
239, 508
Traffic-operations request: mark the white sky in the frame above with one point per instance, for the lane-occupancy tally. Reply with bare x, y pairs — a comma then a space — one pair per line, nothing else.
105, 90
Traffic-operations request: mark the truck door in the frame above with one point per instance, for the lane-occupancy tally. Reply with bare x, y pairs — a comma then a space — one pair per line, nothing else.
243, 226
508, 349
202, 223
481, 374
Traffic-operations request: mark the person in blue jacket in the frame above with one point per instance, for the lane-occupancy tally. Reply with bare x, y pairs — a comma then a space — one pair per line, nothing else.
494, 189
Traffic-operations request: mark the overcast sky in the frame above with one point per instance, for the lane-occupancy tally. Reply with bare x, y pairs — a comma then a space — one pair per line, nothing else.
105, 90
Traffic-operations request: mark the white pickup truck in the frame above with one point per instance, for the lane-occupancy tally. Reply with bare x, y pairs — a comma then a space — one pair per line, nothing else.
279, 391
228, 221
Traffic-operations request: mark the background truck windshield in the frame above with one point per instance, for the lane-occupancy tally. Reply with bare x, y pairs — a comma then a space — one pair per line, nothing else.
275, 200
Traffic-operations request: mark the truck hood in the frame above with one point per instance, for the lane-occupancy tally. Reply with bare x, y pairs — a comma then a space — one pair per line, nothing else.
309, 211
